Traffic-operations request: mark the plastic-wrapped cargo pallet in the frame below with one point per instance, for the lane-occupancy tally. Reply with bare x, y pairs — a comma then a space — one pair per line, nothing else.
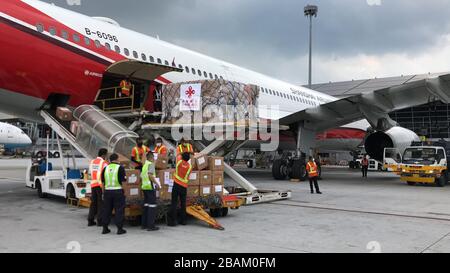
214, 93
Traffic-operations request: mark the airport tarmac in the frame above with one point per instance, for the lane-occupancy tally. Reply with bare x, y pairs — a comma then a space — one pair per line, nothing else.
353, 215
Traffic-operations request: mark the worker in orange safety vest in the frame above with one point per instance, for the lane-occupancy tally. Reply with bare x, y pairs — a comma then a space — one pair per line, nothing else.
125, 86
184, 147
95, 170
364, 166
179, 190
160, 148
138, 154
313, 174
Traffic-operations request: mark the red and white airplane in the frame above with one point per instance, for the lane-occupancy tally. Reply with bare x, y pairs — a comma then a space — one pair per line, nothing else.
48, 53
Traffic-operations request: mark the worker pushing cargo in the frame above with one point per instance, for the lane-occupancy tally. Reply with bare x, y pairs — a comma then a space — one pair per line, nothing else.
184, 147
313, 174
149, 187
179, 191
138, 153
96, 169
114, 197
160, 148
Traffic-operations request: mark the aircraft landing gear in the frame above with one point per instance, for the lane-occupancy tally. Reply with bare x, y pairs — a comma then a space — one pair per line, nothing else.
292, 168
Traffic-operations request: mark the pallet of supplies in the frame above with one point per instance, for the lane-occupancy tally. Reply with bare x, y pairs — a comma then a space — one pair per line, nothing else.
216, 95
64, 114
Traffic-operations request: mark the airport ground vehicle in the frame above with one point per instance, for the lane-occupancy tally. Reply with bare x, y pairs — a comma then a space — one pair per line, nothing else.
423, 163
66, 182
374, 165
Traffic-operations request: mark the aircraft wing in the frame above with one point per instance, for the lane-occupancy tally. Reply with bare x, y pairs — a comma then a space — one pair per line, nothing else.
374, 106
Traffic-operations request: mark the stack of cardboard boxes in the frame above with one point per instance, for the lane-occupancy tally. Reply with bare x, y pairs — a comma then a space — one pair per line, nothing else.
207, 178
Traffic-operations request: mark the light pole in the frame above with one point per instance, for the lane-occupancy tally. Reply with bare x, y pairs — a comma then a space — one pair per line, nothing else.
310, 11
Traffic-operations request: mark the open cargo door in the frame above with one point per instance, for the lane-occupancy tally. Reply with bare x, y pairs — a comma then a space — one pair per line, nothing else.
132, 69
141, 75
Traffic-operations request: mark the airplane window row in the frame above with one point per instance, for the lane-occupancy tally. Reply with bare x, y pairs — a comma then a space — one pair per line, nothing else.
288, 96
77, 39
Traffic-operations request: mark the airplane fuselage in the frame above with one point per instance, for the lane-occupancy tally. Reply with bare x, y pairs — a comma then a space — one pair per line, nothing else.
47, 50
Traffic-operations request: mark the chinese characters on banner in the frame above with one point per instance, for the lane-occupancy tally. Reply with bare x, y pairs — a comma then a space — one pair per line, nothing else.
191, 97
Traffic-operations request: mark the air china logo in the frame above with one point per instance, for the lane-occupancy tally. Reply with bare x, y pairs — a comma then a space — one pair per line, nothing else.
190, 92
92, 74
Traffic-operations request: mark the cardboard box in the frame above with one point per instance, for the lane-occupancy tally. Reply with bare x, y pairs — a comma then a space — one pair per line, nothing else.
193, 163
124, 161
161, 162
217, 189
217, 178
132, 191
216, 163
165, 193
194, 178
193, 191
165, 177
64, 114
205, 190
133, 177
205, 178
201, 162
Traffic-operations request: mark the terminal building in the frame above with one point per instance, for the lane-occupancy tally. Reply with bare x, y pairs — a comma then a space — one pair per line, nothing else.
431, 120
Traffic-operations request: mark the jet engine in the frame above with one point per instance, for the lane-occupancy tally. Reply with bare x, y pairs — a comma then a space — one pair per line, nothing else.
396, 137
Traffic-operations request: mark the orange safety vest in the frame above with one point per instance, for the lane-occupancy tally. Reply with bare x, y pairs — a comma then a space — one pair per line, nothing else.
126, 87
96, 169
365, 162
311, 167
182, 172
181, 149
161, 150
138, 153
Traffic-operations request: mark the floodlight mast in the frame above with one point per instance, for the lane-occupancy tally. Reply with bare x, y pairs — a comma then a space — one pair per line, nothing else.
310, 11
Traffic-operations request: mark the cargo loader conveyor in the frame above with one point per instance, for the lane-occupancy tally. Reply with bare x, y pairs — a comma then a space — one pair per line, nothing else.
88, 131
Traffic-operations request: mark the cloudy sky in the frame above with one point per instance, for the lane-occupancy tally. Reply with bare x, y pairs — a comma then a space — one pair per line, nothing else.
353, 38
